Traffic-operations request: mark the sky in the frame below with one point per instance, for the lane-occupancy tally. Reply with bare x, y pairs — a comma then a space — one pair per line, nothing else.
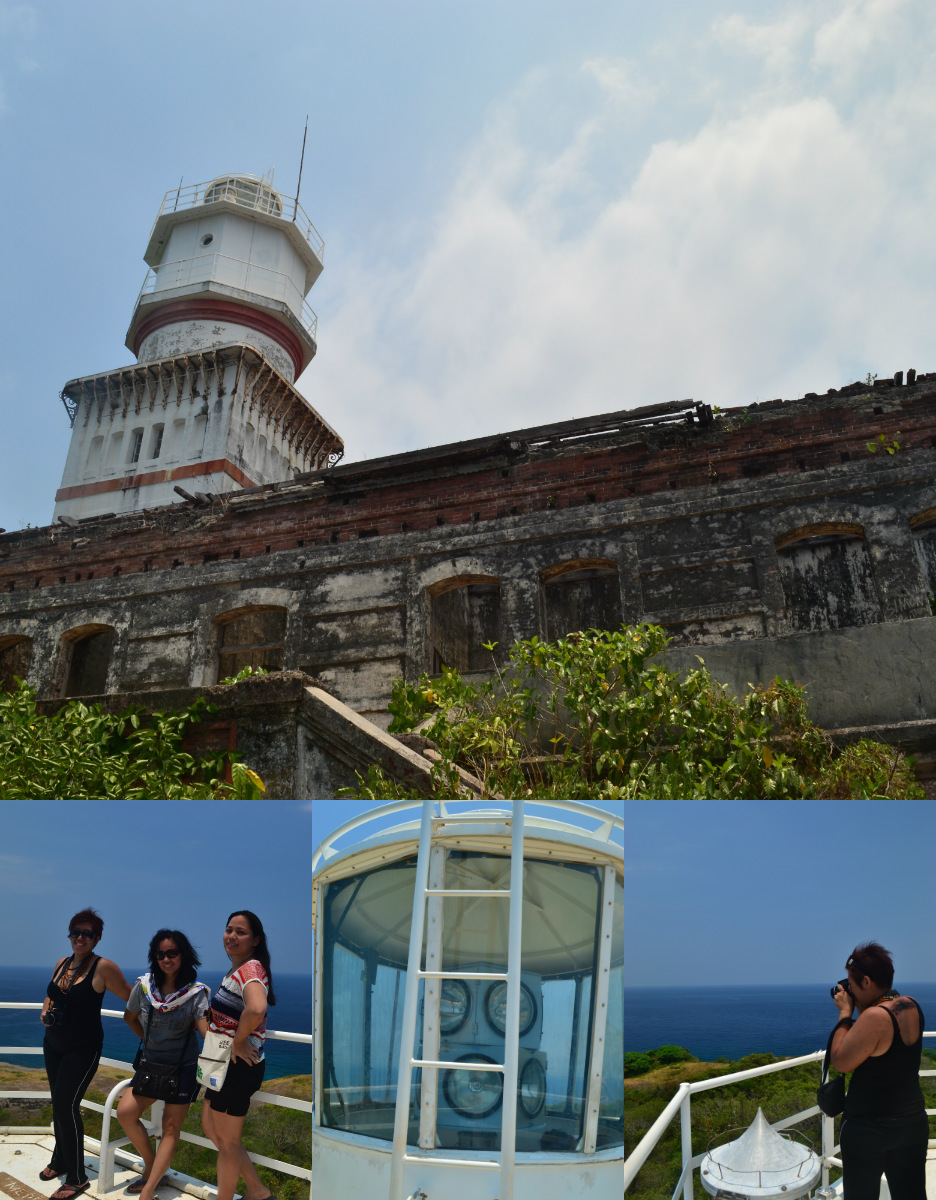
532, 210
729, 892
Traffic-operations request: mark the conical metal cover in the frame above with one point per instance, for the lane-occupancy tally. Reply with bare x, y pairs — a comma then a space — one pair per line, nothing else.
761, 1148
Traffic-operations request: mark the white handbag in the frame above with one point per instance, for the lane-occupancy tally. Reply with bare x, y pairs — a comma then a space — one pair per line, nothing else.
214, 1060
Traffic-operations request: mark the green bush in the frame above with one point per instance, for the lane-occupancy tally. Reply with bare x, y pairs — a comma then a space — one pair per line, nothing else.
636, 1063
598, 713
671, 1054
84, 753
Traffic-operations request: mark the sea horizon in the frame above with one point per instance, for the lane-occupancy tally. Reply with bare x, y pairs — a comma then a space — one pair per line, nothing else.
291, 1014
711, 1021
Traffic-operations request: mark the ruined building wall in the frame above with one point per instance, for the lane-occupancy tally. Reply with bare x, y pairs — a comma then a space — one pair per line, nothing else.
746, 533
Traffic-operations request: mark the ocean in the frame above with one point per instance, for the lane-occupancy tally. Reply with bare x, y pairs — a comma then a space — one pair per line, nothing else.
732, 1021
710, 1022
292, 1014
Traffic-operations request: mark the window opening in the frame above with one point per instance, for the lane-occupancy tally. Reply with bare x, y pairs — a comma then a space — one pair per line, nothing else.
463, 619
89, 663
251, 639
15, 655
583, 595
828, 581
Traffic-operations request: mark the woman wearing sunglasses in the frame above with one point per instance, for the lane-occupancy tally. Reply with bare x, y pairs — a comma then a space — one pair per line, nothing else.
72, 1044
166, 1007
239, 1008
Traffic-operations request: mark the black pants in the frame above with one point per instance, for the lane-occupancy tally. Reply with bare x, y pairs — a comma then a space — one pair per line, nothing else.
890, 1146
70, 1072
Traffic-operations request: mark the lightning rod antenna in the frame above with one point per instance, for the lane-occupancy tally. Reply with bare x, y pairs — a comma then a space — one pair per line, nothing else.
301, 161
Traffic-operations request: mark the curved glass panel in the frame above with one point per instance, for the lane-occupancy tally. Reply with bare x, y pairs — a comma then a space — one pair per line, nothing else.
365, 934
365, 931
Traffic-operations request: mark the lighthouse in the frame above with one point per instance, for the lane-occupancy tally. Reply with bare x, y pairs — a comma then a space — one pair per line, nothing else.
221, 330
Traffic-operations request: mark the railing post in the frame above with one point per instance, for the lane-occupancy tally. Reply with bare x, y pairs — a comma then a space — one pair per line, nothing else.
106, 1171
828, 1146
685, 1126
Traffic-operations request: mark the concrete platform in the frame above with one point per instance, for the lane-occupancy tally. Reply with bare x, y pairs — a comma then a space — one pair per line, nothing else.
24, 1154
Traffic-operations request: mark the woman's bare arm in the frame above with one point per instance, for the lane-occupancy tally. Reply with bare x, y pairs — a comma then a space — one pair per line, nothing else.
113, 979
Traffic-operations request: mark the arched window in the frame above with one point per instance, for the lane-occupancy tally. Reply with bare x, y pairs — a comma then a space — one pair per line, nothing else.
827, 578
88, 650
465, 613
251, 637
584, 593
15, 653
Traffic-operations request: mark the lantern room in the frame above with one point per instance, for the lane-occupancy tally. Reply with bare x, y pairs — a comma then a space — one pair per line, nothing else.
469, 1002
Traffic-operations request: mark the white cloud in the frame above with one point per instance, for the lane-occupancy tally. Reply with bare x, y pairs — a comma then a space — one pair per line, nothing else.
779, 244
777, 43
862, 34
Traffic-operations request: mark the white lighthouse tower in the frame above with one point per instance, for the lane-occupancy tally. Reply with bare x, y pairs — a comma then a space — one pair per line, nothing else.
221, 330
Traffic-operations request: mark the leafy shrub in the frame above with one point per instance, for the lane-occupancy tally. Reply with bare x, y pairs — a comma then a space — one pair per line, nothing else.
636, 1063
598, 713
84, 753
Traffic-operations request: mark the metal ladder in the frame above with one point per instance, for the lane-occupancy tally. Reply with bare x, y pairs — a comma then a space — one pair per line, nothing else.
431, 891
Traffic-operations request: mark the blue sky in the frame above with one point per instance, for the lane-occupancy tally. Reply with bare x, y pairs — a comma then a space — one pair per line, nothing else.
716, 892
532, 210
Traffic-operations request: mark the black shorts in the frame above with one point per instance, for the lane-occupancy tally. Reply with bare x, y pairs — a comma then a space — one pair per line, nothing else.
188, 1086
240, 1083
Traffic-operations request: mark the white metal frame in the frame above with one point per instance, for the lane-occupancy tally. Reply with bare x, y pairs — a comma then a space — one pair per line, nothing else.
435, 895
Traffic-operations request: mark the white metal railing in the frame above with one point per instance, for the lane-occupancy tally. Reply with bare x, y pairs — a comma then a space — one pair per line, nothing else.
681, 1103
109, 1149
247, 192
233, 272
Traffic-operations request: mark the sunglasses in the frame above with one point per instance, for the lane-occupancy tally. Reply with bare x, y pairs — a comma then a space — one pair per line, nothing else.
168, 953
75, 934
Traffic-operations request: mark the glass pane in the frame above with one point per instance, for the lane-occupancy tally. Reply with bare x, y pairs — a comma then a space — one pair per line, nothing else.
365, 947
560, 913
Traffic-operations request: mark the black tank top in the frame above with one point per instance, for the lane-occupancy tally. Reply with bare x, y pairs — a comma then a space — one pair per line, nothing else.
889, 1085
79, 1007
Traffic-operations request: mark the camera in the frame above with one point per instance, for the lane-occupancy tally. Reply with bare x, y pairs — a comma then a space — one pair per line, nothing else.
842, 983
52, 1017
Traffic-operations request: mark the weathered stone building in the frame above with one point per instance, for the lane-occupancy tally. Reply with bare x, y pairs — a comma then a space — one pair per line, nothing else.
770, 540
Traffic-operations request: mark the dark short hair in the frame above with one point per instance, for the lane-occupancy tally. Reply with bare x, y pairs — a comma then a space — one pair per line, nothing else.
188, 967
261, 951
871, 959
90, 917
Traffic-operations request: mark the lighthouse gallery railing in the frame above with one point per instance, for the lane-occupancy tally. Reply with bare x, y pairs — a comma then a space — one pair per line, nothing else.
108, 1149
682, 1101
